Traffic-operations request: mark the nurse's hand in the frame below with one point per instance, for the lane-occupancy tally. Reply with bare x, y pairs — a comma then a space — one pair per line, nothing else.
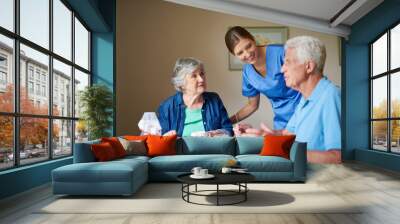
254, 132
266, 129
240, 129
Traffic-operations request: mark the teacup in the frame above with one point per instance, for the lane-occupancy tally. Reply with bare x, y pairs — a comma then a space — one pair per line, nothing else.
203, 172
196, 170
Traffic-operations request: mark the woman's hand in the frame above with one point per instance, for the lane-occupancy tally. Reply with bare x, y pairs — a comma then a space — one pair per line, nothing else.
254, 131
244, 129
266, 129
216, 133
169, 133
240, 129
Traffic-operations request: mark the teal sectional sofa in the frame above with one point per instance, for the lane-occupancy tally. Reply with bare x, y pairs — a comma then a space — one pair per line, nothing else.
125, 176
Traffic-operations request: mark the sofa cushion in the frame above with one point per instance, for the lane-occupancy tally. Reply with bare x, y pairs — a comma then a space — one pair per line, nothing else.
185, 163
206, 145
161, 145
134, 147
118, 177
103, 151
257, 163
116, 145
83, 152
277, 145
249, 145
111, 171
131, 158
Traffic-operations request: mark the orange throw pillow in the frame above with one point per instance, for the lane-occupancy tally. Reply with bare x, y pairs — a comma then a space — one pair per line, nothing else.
277, 145
116, 145
103, 151
161, 145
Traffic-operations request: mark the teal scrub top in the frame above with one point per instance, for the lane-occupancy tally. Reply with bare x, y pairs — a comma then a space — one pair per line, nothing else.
282, 98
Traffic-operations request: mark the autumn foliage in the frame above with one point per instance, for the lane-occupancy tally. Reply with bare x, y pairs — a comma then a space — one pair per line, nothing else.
33, 131
380, 127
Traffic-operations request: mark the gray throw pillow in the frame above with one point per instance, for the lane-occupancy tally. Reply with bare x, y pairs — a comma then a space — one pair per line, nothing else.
134, 147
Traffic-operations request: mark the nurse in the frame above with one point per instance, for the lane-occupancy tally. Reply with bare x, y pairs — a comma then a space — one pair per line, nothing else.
261, 75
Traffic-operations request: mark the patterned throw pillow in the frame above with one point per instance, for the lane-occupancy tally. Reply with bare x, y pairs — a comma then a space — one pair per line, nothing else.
134, 147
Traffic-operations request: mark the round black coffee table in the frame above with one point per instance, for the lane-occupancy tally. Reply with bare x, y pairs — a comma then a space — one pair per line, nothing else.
238, 179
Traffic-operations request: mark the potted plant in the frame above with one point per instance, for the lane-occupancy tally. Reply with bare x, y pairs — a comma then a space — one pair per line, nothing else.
96, 102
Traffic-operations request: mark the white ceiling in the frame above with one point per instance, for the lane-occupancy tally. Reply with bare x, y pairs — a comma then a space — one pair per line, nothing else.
320, 9
314, 15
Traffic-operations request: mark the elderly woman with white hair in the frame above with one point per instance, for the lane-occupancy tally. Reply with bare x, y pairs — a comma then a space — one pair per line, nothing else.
192, 110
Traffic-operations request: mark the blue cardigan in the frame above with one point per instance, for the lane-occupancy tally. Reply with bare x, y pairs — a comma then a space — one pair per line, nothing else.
171, 113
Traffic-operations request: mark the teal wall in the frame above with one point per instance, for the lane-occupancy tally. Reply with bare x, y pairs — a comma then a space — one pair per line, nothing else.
356, 85
99, 15
103, 53
24, 178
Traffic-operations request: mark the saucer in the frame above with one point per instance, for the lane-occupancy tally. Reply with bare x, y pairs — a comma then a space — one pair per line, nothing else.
208, 176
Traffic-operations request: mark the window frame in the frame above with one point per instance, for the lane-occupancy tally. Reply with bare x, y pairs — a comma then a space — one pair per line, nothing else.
16, 114
388, 74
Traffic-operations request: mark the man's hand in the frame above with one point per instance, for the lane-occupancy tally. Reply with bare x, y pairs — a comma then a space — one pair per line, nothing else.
332, 156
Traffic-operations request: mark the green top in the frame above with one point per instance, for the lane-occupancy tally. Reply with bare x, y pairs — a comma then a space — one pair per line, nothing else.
193, 121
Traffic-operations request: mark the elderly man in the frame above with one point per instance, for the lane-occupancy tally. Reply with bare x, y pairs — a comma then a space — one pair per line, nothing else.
316, 119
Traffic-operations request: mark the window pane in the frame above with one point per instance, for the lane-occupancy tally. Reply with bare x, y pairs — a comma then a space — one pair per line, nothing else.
81, 81
62, 29
379, 55
395, 47
395, 136
62, 89
395, 95
6, 74
81, 45
33, 140
379, 135
62, 138
34, 97
379, 97
35, 21
6, 142
81, 131
7, 14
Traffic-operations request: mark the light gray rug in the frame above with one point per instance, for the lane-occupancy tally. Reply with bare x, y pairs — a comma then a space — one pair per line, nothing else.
166, 198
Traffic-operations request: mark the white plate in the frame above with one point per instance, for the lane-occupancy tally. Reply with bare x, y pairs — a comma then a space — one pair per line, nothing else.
208, 176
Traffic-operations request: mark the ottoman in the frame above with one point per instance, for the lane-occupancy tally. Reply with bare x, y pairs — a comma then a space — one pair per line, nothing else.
118, 177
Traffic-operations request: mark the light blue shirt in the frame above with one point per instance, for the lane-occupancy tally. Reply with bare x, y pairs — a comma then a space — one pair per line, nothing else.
282, 98
316, 120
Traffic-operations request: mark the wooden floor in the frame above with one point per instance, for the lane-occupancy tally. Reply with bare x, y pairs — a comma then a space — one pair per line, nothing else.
354, 182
